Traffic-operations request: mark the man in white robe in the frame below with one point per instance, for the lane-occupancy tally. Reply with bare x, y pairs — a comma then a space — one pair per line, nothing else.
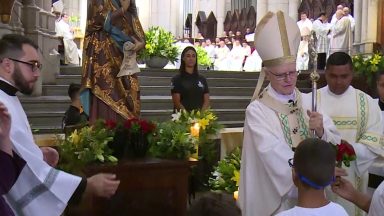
40, 189
276, 121
236, 57
350, 17
63, 30
341, 35
253, 63
304, 22
358, 119
322, 28
222, 52
334, 19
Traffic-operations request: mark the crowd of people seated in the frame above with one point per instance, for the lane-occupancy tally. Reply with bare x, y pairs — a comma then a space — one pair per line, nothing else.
231, 52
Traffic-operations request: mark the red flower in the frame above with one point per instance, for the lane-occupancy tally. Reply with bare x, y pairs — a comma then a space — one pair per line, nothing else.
146, 127
128, 123
345, 153
110, 124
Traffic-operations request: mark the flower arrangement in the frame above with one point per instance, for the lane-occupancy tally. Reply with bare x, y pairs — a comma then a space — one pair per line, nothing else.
175, 139
226, 176
159, 43
344, 154
85, 146
202, 57
368, 66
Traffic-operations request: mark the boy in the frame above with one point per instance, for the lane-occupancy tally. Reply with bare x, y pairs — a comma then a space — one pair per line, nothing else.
313, 170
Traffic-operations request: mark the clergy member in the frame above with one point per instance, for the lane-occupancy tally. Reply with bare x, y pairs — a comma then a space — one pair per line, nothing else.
62, 28
356, 116
276, 121
341, 34
40, 189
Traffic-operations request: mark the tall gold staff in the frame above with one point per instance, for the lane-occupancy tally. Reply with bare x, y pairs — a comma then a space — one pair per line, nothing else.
312, 48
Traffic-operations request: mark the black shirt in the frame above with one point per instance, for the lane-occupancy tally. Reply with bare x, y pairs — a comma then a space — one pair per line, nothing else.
73, 116
191, 88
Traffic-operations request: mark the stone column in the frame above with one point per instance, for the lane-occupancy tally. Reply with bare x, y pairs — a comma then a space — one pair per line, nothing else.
262, 9
220, 16
174, 15
293, 9
358, 18
372, 10
364, 20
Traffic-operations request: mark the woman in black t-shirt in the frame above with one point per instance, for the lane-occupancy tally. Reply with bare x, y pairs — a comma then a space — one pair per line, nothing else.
189, 89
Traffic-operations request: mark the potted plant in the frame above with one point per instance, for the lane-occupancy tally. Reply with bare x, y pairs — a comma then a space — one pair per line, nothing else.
368, 65
203, 59
159, 48
87, 145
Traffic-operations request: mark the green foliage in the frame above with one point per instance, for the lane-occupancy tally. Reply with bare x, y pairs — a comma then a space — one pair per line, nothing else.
226, 176
159, 42
368, 66
172, 141
85, 146
202, 57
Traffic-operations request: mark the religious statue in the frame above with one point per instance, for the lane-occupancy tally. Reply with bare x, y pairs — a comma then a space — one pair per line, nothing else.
111, 88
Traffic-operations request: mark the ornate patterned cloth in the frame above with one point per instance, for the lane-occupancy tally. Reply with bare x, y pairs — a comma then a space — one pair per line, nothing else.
108, 28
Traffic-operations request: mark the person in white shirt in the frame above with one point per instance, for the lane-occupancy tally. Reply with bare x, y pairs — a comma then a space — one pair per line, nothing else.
276, 121
322, 29
304, 22
334, 19
210, 49
63, 30
313, 168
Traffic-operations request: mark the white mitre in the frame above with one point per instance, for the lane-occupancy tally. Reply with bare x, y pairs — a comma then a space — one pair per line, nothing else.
277, 39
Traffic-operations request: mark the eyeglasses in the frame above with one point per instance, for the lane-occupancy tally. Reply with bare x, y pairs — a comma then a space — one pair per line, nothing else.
34, 65
283, 76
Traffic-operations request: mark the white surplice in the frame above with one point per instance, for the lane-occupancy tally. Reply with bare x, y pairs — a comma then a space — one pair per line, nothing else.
71, 52
266, 186
235, 58
341, 36
253, 62
40, 189
221, 58
307, 23
358, 118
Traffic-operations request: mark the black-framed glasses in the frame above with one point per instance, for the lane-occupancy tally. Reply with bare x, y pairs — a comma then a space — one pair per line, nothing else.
34, 65
285, 75
290, 162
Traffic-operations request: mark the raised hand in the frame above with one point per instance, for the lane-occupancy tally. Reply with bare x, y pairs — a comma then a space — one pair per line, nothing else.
5, 128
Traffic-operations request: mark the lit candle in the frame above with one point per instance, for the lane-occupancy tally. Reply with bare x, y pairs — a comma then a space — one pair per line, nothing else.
236, 195
195, 130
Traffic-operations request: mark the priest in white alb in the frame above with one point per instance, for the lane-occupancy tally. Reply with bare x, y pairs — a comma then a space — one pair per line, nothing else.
341, 34
39, 189
357, 117
276, 121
